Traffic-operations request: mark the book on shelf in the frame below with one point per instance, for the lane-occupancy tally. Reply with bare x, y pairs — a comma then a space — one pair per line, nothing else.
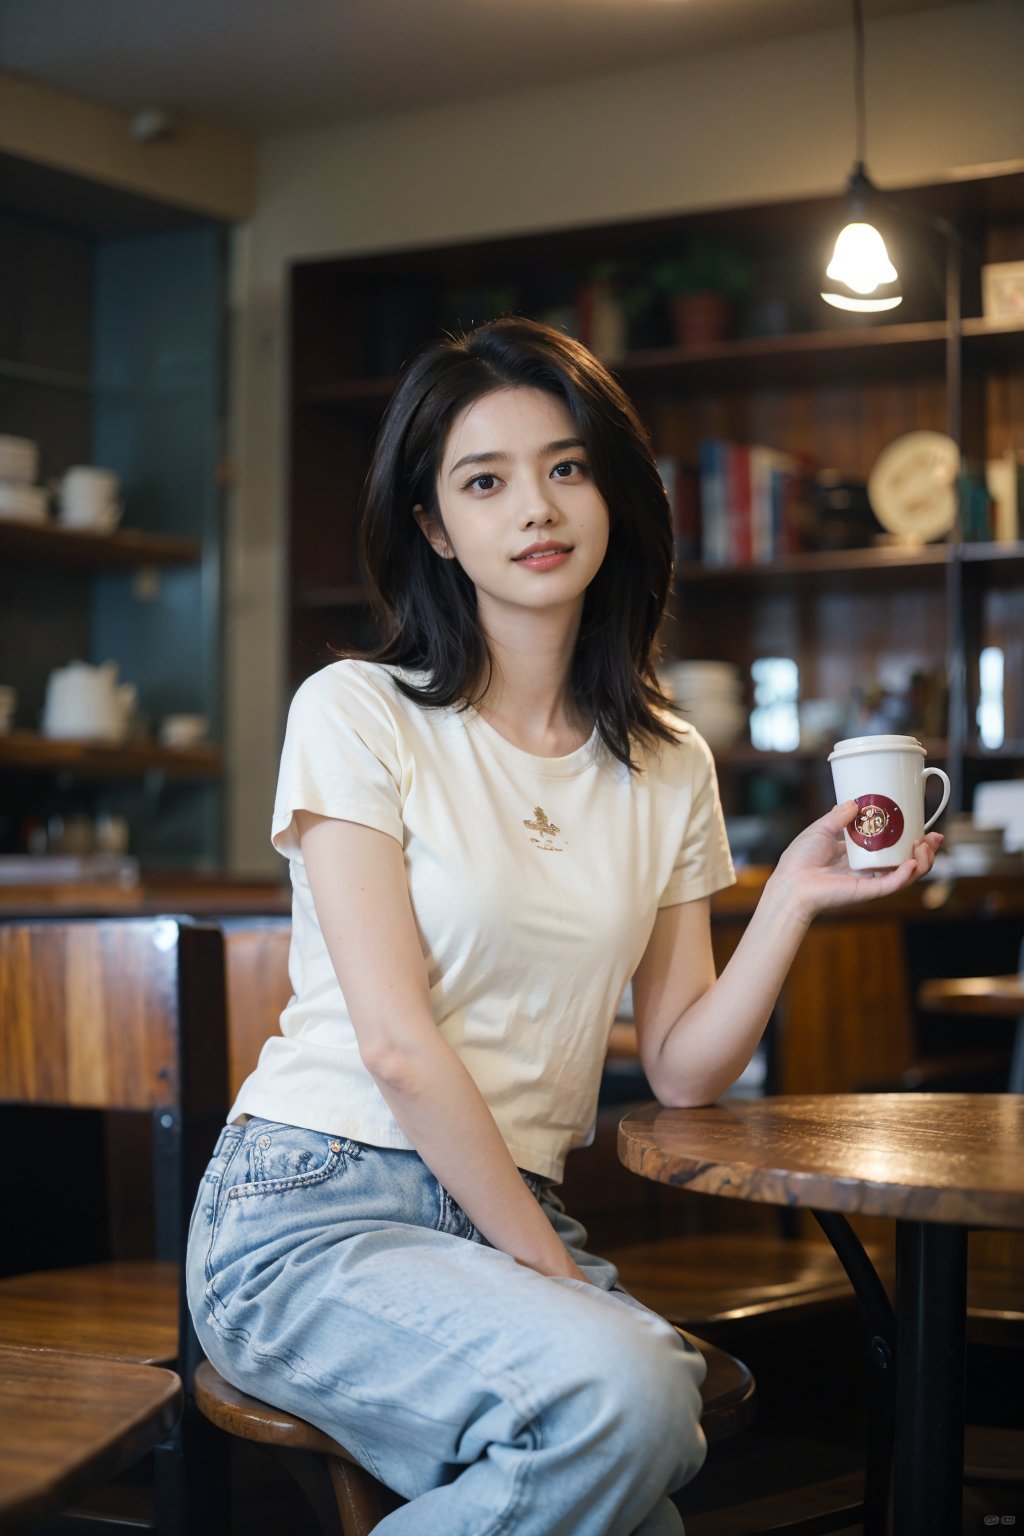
714, 515
752, 503
682, 487
1004, 479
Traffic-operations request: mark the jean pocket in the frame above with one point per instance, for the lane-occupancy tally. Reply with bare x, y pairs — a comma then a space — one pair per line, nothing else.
277, 1158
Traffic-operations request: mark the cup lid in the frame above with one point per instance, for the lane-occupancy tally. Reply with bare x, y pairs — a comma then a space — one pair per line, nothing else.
854, 745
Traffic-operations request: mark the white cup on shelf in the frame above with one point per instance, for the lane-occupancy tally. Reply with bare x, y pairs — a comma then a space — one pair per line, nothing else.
90, 498
19, 459
182, 730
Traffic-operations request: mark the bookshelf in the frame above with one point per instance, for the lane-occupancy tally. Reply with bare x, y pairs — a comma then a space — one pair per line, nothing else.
833, 389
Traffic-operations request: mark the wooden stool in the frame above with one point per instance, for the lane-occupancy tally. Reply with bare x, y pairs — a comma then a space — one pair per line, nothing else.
69, 1423
124, 1014
348, 1501
993, 997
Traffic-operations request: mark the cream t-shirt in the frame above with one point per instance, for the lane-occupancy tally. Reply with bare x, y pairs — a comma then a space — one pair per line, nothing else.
534, 882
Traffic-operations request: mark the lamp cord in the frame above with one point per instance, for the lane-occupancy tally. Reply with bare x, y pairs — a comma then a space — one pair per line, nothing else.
858, 80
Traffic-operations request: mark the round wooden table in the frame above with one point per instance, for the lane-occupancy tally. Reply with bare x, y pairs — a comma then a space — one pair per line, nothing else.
937, 1164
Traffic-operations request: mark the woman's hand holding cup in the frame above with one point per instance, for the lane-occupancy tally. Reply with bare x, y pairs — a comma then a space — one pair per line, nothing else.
875, 841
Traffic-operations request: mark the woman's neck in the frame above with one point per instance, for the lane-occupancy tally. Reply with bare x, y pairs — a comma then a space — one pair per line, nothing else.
528, 699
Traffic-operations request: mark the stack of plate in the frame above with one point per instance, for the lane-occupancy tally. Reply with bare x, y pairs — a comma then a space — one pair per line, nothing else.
971, 849
710, 695
20, 498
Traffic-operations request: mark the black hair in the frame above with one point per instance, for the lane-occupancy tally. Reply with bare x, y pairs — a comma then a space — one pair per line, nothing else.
426, 605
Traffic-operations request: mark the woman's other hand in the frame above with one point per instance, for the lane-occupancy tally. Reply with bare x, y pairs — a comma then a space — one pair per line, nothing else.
815, 874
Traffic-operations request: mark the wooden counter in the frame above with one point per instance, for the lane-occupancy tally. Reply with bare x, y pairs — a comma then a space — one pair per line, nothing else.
187, 892
200, 893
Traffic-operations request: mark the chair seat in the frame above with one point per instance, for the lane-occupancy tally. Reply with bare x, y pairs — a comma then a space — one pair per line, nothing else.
728, 1397
733, 1277
69, 1423
250, 1419
119, 1311
999, 996
702, 1282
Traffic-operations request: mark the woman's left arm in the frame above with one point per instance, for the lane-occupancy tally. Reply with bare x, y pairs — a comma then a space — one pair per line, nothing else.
697, 1034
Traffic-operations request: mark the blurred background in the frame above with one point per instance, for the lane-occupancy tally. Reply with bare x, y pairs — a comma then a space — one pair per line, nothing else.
226, 225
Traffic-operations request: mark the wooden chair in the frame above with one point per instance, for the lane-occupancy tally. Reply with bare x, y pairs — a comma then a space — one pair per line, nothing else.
348, 1501
71, 1422
124, 1014
258, 987
993, 997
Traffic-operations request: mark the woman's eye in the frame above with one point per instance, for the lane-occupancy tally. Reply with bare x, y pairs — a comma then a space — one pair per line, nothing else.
479, 482
568, 465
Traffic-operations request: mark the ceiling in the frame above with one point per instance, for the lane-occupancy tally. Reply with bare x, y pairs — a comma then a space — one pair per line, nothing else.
269, 66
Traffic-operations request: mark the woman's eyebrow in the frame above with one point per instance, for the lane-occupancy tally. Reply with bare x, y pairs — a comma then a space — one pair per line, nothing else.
496, 457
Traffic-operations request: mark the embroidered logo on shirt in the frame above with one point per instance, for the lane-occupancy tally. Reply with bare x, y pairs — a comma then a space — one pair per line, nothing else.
547, 830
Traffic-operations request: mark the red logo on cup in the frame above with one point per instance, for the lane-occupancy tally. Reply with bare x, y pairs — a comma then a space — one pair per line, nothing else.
878, 823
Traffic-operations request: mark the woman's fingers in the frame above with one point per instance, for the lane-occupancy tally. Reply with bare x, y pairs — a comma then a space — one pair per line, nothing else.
920, 862
838, 817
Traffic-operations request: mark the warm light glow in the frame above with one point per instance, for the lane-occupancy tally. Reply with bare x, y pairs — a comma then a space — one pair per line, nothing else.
860, 306
860, 260
861, 263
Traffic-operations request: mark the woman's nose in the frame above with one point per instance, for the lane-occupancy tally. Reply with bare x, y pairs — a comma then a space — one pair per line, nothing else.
538, 507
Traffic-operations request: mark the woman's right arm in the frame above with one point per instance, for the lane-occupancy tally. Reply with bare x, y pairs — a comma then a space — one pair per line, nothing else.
361, 894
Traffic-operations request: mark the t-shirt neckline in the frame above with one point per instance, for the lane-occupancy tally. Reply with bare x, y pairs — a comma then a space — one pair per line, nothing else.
552, 767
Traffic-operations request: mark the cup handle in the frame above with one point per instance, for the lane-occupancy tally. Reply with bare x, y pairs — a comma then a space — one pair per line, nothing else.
945, 794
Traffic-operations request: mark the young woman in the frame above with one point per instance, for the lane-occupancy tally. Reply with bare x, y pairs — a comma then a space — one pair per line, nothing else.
492, 824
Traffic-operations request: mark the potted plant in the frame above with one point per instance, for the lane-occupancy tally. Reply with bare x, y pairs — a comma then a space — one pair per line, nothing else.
702, 288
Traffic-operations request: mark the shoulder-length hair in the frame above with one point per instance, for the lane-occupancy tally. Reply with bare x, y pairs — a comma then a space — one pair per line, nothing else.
426, 606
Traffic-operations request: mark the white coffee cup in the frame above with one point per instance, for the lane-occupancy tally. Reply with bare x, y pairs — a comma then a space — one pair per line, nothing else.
182, 730
89, 498
886, 776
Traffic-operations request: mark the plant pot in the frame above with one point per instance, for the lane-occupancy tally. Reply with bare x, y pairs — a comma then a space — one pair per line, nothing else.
700, 319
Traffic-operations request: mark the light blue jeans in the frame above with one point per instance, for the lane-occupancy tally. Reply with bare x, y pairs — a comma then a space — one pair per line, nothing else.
341, 1282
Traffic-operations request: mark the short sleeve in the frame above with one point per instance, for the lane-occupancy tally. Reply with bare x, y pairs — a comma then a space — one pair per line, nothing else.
340, 757
703, 862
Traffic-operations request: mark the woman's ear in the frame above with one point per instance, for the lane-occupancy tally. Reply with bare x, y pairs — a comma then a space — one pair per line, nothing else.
433, 531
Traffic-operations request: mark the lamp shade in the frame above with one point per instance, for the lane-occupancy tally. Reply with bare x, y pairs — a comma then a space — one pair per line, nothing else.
861, 276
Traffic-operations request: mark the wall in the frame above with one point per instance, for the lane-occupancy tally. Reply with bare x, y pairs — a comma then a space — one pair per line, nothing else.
204, 169
765, 122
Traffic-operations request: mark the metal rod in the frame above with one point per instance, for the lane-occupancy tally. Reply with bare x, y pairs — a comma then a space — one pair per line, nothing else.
858, 81
931, 1299
880, 1329
956, 724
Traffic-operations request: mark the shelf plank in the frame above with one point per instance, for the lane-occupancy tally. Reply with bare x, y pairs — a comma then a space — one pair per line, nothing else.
45, 378
821, 356
852, 567
98, 760
743, 755
767, 359
793, 359
125, 548
993, 339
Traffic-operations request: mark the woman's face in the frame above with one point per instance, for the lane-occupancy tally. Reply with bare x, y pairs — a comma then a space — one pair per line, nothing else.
514, 473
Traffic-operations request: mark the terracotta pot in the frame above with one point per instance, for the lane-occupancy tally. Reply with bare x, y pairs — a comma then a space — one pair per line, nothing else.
700, 319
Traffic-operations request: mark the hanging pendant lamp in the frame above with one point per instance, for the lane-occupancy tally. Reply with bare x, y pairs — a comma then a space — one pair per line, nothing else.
860, 276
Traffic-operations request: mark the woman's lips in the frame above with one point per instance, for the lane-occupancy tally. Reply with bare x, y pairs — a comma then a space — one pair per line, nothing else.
545, 561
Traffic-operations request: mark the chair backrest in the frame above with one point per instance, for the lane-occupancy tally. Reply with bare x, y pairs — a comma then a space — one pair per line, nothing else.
258, 988
122, 1014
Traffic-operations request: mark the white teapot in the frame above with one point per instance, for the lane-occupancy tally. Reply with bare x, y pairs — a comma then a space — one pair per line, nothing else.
87, 703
